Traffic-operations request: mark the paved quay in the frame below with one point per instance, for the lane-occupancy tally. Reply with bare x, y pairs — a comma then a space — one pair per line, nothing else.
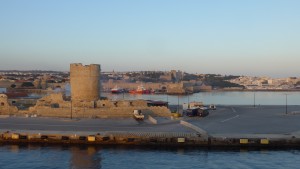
226, 126
250, 120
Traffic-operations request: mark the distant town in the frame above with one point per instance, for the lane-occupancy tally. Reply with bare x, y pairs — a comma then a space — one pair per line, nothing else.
161, 82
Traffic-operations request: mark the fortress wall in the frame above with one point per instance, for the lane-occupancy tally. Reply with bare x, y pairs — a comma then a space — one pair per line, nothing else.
5, 107
84, 82
116, 112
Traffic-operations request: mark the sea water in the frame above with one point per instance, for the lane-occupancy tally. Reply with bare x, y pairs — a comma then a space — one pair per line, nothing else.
90, 157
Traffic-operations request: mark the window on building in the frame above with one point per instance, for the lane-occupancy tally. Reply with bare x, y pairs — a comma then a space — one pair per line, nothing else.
2, 104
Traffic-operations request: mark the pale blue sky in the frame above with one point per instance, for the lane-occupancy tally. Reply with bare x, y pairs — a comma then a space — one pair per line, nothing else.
241, 37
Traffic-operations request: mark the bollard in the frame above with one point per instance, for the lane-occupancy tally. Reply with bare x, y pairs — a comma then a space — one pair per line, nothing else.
243, 141
180, 140
264, 141
15, 136
91, 138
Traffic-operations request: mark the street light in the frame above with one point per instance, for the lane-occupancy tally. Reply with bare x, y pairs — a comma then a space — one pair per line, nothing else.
71, 109
285, 103
188, 100
178, 104
254, 99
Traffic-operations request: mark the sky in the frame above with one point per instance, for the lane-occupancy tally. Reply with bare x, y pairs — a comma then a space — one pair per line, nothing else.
237, 37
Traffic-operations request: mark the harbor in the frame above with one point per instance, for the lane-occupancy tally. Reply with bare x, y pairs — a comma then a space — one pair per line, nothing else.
227, 126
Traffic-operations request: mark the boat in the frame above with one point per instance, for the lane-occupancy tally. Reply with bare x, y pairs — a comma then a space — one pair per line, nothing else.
16, 94
140, 90
117, 90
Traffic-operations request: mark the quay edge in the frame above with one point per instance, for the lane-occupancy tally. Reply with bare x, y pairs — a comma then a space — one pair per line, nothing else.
154, 139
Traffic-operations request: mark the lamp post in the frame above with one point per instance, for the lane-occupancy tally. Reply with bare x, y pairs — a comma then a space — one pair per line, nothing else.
71, 109
254, 99
285, 103
177, 103
188, 101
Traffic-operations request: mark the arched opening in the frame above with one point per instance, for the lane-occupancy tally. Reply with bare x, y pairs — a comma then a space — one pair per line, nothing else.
2, 104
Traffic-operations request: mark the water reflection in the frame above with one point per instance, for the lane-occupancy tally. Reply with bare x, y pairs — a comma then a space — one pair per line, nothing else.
85, 158
219, 97
89, 157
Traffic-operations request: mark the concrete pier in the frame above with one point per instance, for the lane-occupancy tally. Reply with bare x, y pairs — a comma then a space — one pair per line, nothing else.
228, 126
151, 138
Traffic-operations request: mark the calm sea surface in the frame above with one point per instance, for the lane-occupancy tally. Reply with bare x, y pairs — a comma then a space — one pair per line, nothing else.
224, 98
58, 157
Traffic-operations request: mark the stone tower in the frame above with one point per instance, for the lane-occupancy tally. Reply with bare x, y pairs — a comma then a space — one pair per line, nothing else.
84, 82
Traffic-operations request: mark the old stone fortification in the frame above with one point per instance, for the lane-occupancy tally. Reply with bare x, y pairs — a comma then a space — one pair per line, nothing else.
84, 81
5, 107
172, 88
84, 100
54, 105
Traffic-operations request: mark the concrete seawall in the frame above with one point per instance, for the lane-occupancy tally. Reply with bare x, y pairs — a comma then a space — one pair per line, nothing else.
228, 126
151, 138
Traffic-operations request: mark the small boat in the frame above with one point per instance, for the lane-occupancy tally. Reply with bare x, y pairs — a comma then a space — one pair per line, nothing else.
117, 90
16, 94
140, 90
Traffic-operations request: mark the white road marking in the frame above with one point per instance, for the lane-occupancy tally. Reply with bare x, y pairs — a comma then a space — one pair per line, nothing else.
230, 118
233, 109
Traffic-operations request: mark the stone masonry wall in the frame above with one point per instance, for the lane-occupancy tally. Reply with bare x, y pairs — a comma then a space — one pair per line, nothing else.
84, 82
5, 107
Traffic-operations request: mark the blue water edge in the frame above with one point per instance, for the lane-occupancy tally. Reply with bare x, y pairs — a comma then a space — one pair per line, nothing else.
90, 157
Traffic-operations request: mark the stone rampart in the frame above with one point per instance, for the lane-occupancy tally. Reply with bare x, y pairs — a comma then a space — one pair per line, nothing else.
5, 106
84, 82
115, 112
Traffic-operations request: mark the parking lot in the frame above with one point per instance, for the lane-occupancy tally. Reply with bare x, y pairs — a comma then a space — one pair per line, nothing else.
250, 120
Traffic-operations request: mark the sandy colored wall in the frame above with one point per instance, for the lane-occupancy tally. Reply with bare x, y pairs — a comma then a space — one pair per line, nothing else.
84, 81
5, 106
100, 112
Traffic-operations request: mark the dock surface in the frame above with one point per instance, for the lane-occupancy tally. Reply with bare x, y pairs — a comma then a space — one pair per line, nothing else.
226, 126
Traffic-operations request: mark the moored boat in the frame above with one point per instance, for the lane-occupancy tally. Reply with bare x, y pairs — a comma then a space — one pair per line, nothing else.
117, 90
140, 90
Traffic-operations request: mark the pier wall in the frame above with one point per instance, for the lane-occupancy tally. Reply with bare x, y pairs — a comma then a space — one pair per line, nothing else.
150, 138
54, 105
114, 112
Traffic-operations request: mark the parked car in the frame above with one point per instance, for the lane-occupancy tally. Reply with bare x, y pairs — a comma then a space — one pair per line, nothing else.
201, 112
212, 107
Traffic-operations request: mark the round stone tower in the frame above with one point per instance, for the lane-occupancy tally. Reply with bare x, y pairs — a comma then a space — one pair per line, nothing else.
84, 82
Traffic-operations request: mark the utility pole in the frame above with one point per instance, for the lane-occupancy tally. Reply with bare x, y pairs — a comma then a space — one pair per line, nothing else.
188, 101
71, 109
285, 103
254, 99
177, 103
